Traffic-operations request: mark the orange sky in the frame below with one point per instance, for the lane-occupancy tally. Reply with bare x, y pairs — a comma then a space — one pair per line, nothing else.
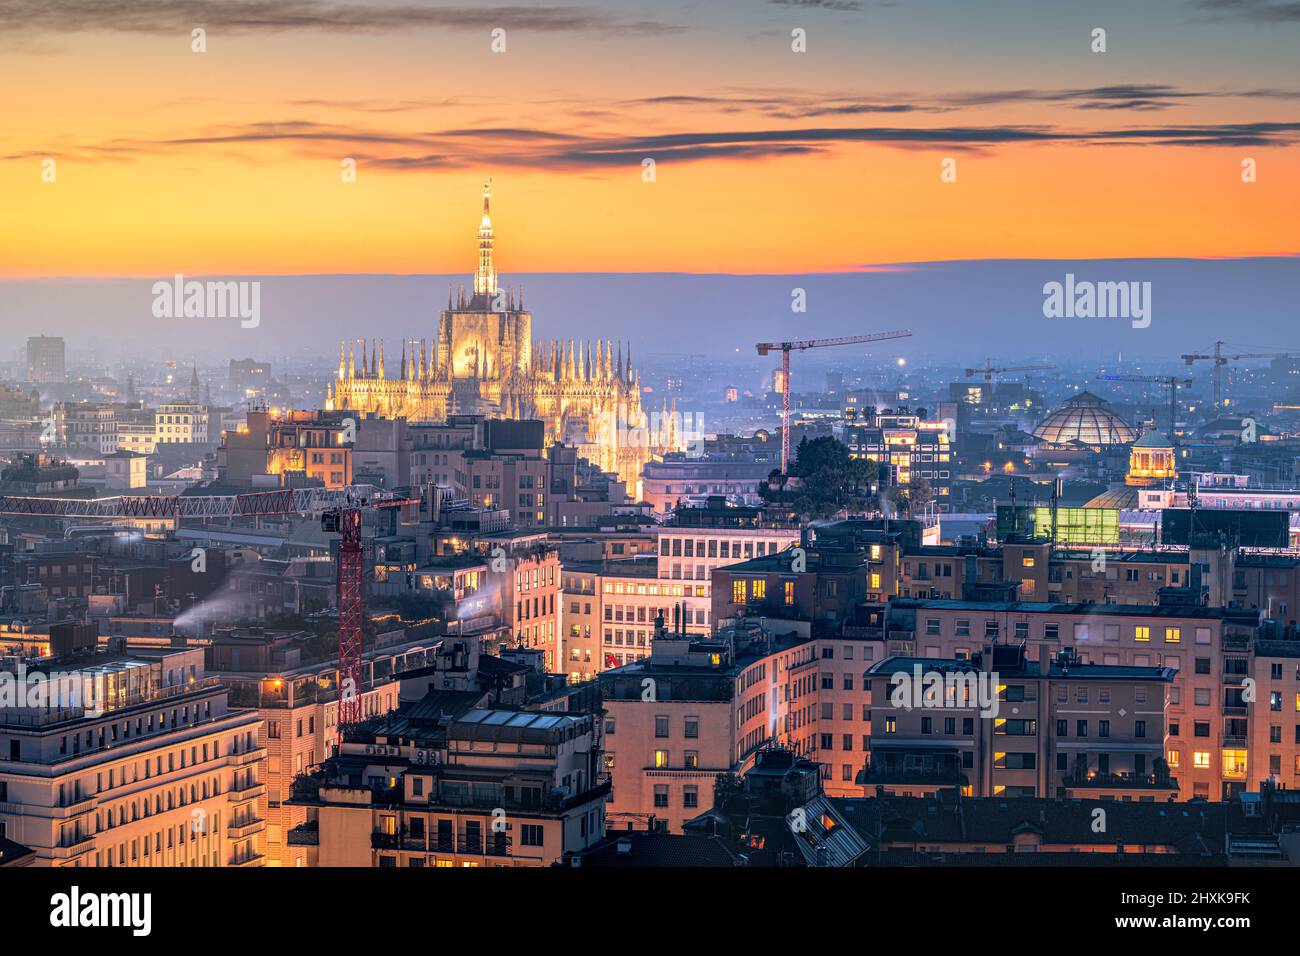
229, 161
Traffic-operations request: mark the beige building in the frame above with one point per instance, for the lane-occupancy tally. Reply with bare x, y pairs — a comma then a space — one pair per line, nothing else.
181, 422
696, 709
1002, 725
489, 788
297, 701
132, 760
1205, 646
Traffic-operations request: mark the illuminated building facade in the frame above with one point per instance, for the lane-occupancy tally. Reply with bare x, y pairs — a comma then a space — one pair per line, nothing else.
912, 448
485, 360
147, 765
1151, 461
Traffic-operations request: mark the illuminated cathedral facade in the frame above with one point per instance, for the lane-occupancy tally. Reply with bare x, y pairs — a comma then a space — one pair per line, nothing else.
485, 361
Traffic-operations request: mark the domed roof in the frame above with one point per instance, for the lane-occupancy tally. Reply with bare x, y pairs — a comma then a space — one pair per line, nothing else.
1153, 440
1085, 419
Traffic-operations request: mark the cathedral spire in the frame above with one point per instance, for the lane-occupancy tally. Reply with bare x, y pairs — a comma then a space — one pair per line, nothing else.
403, 360
343, 357
352, 359
380, 371
485, 279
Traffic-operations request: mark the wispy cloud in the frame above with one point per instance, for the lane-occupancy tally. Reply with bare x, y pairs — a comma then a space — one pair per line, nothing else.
18, 17
1265, 11
542, 149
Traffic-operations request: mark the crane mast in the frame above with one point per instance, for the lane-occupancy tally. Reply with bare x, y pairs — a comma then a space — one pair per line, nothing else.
340, 513
800, 345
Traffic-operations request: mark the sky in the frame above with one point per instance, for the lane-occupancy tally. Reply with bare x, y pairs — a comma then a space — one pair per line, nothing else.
766, 161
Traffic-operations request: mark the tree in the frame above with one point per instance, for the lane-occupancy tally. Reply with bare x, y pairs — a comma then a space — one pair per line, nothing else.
830, 479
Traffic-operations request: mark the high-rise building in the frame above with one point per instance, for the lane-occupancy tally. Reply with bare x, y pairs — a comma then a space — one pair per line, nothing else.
45, 360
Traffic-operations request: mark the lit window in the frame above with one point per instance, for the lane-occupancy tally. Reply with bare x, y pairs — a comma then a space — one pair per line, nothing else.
1201, 759
1142, 633
1173, 635
1174, 758
1234, 764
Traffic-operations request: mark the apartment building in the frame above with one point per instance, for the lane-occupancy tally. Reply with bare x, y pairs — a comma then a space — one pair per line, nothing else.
316, 445
912, 448
581, 654
1208, 648
695, 709
130, 760
999, 724
181, 422
1272, 750
486, 788
689, 555
295, 693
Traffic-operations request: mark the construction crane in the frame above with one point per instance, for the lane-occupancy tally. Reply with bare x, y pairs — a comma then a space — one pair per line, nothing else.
1220, 360
340, 513
800, 345
989, 370
1171, 382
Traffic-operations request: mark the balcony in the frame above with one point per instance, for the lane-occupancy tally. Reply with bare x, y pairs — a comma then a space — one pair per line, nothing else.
305, 834
1234, 741
1134, 781
246, 757
875, 774
245, 828
247, 790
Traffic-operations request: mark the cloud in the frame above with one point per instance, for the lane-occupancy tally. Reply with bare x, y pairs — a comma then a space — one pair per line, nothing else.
542, 149
256, 16
1264, 11
843, 5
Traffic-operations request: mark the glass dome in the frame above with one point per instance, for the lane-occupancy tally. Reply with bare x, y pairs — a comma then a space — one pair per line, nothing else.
1085, 418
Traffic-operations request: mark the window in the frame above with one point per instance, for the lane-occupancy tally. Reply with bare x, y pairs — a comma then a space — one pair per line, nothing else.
1142, 633
690, 796
1201, 759
661, 725
661, 795
531, 834
1173, 635
692, 727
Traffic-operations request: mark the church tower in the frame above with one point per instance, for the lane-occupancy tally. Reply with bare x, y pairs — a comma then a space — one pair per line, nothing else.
485, 279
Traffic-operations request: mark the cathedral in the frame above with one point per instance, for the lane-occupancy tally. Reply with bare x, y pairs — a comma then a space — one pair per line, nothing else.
485, 361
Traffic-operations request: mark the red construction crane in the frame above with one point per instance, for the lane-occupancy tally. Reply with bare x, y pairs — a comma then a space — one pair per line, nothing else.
786, 348
340, 512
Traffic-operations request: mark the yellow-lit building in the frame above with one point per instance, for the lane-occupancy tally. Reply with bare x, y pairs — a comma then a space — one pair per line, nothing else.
485, 360
1151, 461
